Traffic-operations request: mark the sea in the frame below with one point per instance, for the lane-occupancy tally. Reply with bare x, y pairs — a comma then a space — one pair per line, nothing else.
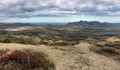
48, 23
39, 23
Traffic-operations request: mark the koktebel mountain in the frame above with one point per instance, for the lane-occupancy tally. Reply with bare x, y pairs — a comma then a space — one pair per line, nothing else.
93, 23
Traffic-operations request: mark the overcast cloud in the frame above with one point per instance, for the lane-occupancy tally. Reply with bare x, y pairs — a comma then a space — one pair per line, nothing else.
43, 8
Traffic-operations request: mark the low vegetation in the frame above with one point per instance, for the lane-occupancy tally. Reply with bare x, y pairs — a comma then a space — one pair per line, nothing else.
25, 60
107, 49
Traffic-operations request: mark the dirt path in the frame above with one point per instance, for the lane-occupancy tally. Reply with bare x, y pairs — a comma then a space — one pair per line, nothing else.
77, 57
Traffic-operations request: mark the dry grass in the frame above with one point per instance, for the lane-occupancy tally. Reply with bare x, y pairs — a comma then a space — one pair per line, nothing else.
4, 51
111, 51
104, 49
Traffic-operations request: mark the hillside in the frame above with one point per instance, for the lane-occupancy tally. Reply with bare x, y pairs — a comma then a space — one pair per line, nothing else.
77, 57
99, 48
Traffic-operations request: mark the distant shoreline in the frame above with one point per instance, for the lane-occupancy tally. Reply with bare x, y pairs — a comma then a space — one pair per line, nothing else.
37, 23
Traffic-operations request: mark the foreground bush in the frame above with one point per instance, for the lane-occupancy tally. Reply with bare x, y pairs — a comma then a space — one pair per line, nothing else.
25, 60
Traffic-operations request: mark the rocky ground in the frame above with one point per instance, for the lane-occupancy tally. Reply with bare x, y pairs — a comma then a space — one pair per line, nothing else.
77, 57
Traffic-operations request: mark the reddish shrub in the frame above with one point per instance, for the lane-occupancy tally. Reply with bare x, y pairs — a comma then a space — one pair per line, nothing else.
26, 60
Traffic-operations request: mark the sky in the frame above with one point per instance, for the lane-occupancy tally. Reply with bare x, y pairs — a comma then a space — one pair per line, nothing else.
59, 10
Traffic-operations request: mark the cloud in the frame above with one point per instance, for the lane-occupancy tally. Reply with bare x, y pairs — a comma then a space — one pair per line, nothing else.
43, 8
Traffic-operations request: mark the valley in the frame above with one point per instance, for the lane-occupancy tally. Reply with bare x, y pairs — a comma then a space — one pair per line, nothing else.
98, 40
